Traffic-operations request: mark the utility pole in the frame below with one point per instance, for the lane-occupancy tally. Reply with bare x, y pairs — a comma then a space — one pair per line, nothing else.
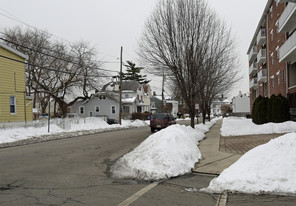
120, 87
162, 92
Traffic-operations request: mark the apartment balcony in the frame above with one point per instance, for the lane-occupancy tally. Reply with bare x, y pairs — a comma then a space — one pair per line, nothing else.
261, 56
287, 21
261, 37
253, 54
253, 68
253, 83
288, 50
262, 75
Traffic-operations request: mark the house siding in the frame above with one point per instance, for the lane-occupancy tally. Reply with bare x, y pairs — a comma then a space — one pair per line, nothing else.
12, 83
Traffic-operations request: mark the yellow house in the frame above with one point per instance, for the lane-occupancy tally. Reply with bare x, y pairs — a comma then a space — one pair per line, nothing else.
15, 106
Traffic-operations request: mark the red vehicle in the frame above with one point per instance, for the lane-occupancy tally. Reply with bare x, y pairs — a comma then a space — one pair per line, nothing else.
161, 120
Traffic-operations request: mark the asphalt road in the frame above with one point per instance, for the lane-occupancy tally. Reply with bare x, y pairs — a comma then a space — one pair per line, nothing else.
74, 171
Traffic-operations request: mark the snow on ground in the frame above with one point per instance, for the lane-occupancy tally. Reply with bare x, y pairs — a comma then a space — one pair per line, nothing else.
22, 133
168, 153
268, 168
236, 126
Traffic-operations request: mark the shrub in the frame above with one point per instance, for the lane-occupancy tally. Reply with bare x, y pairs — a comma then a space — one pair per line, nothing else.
282, 111
271, 108
275, 109
262, 110
255, 109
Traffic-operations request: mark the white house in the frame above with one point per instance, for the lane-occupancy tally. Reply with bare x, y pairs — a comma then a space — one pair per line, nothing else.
241, 104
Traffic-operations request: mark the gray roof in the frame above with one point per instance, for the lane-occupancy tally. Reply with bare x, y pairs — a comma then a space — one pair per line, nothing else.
130, 85
4, 46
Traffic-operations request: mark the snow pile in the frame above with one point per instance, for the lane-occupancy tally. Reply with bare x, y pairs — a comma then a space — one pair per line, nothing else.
22, 133
9, 135
235, 126
205, 127
168, 153
268, 168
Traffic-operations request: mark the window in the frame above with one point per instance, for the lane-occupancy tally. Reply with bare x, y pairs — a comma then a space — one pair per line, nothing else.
271, 35
272, 81
126, 95
277, 26
12, 104
277, 53
277, 3
97, 109
278, 77
152, 104
126, 109
138, 97
271, 12
81, 110
271, 57
113, 109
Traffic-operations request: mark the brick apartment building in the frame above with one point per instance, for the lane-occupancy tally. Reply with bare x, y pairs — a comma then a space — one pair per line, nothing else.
272, 52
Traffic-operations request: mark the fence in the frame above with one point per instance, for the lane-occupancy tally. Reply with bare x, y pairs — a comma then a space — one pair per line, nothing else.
63, 123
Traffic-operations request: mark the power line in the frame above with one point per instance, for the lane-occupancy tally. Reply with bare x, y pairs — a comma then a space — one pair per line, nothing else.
12, 17
66, 60
48, 68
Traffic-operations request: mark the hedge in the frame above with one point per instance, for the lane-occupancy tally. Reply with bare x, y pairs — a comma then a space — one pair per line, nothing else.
273, 109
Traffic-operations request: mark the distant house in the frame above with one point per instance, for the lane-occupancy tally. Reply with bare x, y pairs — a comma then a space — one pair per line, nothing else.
104, 103
169, 106
15, 106
241, 104
216, 107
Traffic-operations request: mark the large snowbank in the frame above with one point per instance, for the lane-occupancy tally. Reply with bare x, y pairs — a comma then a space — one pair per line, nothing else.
268, 168
235, 126
22, 133
168, 153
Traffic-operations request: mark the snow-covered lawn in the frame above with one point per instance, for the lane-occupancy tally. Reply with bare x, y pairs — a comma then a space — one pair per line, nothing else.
22, 133
236, 126
168, 153
268, 168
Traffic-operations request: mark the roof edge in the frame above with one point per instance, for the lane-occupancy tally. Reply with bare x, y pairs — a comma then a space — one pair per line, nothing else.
259, 24
18, 53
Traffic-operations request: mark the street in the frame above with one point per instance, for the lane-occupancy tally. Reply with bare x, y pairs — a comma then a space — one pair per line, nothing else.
74, 171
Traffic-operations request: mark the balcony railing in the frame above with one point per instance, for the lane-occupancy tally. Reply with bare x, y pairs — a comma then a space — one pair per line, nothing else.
261, 37
261, 56
253, 54
288, 50
262, 75
253, 68
287, 21
253, 83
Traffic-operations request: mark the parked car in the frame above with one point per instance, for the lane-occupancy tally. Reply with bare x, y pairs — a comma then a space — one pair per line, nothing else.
72, 115
161, 120
43, 116
112, 121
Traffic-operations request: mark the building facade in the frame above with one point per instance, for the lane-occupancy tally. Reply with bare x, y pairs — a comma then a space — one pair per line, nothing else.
272, 53
15, 106
241, 104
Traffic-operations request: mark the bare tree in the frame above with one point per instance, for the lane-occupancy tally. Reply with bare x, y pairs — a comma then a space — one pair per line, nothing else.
181, 37
54, 70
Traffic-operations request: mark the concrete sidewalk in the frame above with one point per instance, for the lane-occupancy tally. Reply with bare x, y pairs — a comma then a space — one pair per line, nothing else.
214, 161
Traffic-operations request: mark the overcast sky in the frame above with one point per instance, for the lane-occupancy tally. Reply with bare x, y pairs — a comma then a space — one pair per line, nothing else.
110, 24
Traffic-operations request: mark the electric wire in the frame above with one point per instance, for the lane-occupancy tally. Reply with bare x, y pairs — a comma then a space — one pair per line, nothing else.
12, 17
51, 69
66, 60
